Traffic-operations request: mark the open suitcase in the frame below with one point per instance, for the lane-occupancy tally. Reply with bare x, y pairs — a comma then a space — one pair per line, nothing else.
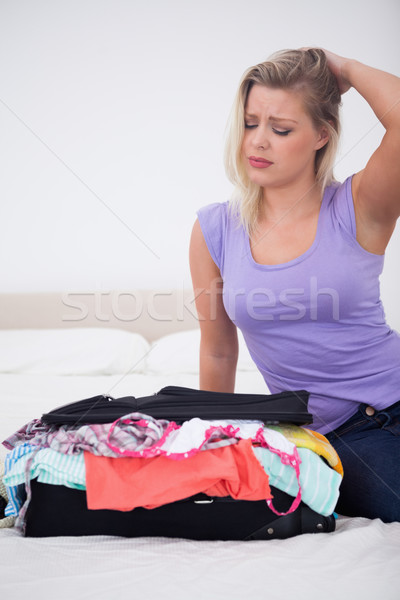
56, 510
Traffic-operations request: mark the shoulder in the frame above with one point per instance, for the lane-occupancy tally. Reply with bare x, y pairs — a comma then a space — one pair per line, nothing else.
213, 221
341, 204
213, 214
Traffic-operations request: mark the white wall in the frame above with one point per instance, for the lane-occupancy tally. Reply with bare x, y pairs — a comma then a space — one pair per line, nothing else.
112, 123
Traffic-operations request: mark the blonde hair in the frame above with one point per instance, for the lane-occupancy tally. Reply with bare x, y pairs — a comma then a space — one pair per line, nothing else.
303, 71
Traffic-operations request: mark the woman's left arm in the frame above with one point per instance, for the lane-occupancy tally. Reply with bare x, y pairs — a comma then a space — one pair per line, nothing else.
376, 189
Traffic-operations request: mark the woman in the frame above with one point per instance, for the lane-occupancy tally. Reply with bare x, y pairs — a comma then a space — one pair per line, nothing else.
294, 261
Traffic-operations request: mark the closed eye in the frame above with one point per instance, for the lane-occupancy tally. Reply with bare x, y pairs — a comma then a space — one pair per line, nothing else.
247, 126
280, 132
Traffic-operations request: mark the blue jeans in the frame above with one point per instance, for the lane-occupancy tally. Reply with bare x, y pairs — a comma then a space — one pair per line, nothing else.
369, 447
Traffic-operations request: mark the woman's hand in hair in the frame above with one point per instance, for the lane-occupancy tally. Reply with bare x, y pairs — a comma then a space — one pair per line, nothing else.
337, 64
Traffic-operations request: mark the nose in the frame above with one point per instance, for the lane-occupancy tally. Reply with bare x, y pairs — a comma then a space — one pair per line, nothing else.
260, 139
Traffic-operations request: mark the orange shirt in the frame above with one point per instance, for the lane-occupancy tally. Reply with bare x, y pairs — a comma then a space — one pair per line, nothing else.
127, 483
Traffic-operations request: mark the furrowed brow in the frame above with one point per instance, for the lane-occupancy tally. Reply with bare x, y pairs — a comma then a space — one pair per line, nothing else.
271, 118
279, 119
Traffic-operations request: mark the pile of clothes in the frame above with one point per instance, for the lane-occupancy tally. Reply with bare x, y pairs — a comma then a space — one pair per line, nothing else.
141, 461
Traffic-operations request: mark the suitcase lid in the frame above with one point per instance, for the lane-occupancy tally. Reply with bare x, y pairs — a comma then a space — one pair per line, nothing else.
180, 404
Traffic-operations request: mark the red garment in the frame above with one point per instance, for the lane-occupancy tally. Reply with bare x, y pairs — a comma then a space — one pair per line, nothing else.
126, 483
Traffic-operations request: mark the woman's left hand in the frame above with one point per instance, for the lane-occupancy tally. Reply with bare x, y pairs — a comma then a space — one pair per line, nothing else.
336, 64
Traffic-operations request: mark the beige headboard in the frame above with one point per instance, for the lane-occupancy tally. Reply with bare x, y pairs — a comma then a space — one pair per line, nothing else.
153, 313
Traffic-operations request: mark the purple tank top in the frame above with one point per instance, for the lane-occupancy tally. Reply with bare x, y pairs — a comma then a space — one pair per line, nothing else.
316, 322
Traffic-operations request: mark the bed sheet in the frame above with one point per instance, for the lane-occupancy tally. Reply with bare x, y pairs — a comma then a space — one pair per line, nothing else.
361, 559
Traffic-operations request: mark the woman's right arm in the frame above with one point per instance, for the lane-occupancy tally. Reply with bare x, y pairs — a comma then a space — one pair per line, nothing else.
219, 342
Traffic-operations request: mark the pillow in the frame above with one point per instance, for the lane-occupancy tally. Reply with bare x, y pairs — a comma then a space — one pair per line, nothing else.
179, 353
76, 351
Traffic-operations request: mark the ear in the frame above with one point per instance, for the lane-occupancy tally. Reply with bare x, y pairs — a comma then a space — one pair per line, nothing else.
322, 139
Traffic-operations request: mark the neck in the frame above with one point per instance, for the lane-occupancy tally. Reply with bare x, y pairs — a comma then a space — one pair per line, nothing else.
291, 201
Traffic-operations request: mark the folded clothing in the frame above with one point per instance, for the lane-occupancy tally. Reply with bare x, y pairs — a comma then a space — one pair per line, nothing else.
49, 466
28, 462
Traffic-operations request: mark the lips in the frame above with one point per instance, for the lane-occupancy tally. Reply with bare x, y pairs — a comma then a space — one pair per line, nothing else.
259, 163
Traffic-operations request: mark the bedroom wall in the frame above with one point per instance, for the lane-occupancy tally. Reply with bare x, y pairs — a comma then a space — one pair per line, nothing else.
112, 126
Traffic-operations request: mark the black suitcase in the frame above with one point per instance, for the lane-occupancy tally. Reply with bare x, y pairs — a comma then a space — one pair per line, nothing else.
55, 510
180, 404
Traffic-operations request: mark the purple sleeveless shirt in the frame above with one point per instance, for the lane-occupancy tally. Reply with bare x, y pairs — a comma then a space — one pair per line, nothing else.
316, 322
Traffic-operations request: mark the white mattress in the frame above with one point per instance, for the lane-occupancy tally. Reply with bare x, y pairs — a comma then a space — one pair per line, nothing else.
361, 559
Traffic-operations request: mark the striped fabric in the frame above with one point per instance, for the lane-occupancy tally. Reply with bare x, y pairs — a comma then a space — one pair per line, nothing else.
319, 483
4, 521
16, 492
48, 466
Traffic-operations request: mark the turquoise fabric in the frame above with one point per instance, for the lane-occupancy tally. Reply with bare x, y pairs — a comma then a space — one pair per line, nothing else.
49, 466
319, 483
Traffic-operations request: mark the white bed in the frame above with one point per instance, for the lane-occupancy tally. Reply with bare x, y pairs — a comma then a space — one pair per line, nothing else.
49, 357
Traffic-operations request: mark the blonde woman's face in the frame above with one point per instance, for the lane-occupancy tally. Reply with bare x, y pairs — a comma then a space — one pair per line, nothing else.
280, 140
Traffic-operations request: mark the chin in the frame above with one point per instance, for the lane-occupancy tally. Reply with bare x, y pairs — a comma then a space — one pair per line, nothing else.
261, 180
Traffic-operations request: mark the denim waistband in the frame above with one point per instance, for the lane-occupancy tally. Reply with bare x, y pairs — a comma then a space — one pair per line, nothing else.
365, 415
